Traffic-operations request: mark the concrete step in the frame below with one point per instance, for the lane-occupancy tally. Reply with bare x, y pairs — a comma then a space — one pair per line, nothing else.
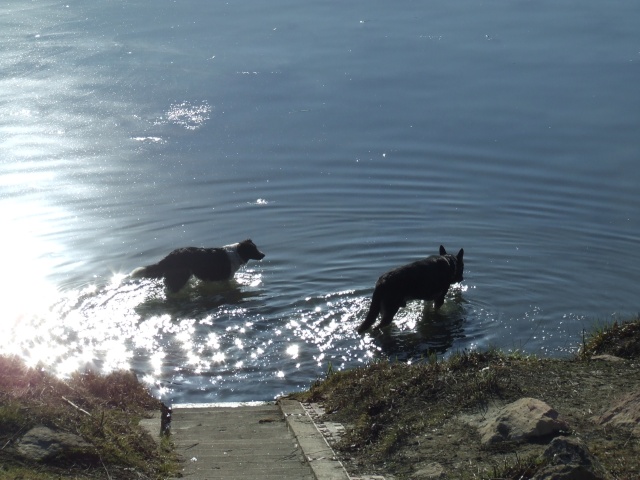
247, 442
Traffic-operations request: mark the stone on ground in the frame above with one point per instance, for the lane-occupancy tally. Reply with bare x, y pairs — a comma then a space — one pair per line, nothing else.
523, 419
570, 459
625, 413
42, 443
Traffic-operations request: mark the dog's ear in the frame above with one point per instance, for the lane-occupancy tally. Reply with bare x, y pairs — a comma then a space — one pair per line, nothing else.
460, 254
442, 250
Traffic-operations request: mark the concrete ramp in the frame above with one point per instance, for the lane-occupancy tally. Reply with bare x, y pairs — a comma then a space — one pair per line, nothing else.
248, 441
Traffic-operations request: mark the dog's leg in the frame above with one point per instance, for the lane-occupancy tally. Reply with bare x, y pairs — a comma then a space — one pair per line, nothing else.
175, 279
438, 302
388, 312
374, 310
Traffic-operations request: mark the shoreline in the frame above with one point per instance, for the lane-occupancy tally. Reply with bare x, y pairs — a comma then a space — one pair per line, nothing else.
422, 420
401, 421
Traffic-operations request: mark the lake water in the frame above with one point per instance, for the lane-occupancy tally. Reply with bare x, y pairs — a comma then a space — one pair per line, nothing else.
344, 138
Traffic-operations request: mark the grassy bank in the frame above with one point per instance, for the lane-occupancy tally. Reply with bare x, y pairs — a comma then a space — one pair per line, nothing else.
102, 410
400, 417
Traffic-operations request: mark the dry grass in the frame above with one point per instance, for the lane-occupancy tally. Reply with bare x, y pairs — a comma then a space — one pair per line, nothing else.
103, 410
392, 402
621, 339
400, 417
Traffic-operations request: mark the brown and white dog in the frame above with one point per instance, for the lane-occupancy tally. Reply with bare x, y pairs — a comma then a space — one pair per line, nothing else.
208, 264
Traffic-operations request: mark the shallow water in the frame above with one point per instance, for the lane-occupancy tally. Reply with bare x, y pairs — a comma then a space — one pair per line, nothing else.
344, 140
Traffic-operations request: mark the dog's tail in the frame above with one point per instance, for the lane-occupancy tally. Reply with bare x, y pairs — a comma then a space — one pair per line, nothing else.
150, 271
374, 310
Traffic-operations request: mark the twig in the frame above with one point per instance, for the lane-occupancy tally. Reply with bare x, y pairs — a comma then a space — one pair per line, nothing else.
11, 439
104, 466
75, 406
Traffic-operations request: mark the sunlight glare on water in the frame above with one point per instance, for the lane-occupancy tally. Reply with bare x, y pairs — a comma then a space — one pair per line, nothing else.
187, 115
27, 258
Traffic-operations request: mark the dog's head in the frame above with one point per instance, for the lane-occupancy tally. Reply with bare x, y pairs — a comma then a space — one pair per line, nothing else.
248, 251
456, 262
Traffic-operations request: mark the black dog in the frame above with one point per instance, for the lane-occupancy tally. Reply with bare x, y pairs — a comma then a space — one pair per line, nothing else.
427, 279
209, 264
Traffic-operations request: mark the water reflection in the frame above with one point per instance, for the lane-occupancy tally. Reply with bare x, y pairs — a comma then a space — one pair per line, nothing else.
328, 323
27, 255
196, 299
106, 327
213, 342
187, 115
419, 330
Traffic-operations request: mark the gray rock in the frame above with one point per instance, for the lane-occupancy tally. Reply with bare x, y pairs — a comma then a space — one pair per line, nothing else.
570, 459
624, 413
608, 358
41, 443
432, 471
523, 419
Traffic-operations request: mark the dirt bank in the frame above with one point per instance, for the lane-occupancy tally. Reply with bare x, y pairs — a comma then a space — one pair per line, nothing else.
84, 427
406, 420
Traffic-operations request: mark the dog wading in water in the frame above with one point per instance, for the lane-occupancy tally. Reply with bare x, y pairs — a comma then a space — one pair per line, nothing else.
426, 279
208, 264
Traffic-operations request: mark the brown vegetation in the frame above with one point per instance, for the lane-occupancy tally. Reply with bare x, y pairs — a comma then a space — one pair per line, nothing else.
401, 419
103, 410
